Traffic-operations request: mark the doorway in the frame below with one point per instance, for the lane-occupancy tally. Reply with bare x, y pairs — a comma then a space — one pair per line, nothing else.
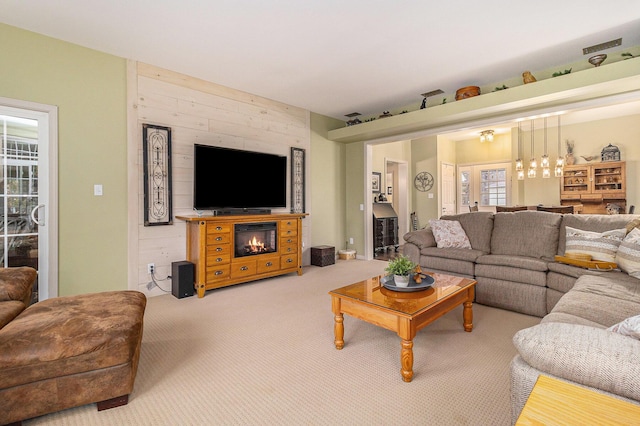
28, 182
488, 185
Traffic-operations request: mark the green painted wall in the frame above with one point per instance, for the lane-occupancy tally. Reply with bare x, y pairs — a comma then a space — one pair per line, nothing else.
355, 187
89, 89
328, 194
424, 158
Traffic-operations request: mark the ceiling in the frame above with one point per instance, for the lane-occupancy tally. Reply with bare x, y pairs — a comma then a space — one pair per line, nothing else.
334, 57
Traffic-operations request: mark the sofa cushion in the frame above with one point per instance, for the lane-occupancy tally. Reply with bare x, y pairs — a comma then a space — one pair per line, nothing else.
512, 274
591, 222
448, 265
478, 226
599, 245
449, 234
9, 310
469, 255
526, 233
70, 335
582, 354
603, 300
16, 283
628, 254
629, 327
518, 297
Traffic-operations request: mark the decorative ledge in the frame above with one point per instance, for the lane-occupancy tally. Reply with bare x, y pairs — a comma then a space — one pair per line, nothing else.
618, 78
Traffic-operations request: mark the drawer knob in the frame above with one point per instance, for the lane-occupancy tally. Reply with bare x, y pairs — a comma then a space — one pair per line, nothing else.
218, 273
218, 238
218, 228
244, 268
219, 259
289, 260
269, 264
289, 240
289, 249
219, 249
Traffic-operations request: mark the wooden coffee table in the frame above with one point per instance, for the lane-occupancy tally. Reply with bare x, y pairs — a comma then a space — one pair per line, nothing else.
402, 312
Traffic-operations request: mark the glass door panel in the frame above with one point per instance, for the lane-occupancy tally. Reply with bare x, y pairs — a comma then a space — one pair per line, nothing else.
18, 192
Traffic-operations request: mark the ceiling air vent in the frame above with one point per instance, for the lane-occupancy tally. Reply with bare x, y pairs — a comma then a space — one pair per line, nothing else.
432, 93
602, 46
353, 114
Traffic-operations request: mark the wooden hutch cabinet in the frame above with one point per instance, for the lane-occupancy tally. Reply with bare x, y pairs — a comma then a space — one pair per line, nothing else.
229, 250
594, 186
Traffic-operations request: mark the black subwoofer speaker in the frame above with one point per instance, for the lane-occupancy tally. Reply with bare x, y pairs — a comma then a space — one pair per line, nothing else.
182, 279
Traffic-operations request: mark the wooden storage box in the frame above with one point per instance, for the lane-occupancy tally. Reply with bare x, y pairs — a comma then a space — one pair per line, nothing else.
323, 255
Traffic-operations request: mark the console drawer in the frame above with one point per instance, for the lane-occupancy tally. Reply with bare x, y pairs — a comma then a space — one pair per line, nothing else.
243, 268
218, 273
268, 264
214, 239
289, 261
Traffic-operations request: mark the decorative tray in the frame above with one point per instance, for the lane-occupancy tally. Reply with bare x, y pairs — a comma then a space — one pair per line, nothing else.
388, 283
599, 265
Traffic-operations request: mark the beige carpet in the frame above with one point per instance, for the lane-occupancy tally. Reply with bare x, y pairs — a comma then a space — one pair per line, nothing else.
262, 353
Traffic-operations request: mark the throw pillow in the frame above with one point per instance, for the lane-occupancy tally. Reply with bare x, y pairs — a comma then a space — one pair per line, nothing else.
635, 223
449, 234
600, 245
629, 327
628, 255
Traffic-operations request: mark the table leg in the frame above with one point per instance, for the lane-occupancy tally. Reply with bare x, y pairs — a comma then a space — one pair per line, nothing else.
406, 360
467, 312
338, 330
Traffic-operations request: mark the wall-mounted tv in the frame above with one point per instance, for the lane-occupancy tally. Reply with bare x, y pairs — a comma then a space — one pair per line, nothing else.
232, 178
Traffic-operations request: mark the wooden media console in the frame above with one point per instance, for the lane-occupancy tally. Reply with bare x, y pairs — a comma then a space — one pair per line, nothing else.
221, 261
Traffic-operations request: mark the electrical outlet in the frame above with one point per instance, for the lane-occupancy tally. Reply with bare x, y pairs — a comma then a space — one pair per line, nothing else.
151, 268
351, 240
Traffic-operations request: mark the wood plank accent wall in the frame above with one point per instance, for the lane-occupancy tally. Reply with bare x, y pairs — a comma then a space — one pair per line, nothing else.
201, 112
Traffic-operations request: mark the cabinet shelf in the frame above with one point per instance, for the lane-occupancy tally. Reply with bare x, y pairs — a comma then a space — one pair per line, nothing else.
594, 186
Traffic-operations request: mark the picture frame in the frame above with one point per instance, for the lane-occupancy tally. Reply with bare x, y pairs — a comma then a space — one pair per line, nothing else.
389, 190
376, 182
156, 155
297, 180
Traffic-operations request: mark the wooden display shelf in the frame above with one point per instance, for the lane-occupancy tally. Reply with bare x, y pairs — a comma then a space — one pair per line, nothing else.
211, 248
594, 186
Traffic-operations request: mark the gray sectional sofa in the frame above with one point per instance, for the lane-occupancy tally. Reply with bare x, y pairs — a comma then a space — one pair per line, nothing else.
512, 259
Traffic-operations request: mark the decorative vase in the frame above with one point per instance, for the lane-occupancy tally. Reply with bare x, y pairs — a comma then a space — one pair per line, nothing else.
569, 160
401, 280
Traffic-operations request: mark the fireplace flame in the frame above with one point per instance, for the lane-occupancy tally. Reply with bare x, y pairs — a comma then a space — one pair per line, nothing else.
255, 245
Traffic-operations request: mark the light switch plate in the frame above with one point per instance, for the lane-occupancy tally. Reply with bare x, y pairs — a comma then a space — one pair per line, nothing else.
97, 190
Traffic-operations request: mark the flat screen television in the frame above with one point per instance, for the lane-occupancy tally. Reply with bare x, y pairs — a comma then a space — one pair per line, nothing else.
233, 178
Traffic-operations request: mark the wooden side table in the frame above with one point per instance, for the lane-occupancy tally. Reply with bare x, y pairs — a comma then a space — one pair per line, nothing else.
554, 402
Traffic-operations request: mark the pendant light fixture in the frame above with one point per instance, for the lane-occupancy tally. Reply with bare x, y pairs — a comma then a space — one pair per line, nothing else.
519, 162
544, 161
559, 170
533, 164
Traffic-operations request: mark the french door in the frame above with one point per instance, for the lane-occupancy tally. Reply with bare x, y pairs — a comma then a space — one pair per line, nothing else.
489, 185
28, 180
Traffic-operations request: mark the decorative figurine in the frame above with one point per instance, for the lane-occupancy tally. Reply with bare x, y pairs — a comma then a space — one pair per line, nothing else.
527, 77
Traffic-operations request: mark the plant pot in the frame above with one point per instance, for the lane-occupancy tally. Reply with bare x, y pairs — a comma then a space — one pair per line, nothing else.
401, 280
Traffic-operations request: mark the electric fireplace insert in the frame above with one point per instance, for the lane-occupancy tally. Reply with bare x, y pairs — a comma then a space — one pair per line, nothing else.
255, 238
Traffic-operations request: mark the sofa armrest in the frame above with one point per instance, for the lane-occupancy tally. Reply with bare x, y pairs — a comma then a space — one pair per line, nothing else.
421, 238
16, 283
582, 354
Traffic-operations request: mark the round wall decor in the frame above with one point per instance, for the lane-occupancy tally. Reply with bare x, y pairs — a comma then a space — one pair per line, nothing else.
423, 181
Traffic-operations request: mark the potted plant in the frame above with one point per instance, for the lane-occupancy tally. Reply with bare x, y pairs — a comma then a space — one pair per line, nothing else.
401, 268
